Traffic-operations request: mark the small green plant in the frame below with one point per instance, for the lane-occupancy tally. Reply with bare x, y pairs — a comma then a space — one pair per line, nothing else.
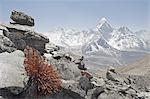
42, 74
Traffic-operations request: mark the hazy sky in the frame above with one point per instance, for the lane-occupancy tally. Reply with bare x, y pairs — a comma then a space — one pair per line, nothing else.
81, 14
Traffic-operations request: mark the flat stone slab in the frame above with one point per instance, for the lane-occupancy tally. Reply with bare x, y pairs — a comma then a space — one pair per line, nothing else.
16, 26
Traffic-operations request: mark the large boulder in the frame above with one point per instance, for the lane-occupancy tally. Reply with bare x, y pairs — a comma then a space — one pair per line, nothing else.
6, 45
12, 73
22, 18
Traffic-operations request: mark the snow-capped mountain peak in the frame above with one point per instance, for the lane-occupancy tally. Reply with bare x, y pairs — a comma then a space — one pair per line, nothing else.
102, 22
104, 28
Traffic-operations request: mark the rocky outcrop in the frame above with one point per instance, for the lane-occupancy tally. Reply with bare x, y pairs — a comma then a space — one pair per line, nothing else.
6, 45
76, 83
116, 87
22, 34
22, 18
89, 86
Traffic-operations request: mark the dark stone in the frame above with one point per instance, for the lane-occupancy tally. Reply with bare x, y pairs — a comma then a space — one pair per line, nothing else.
81, 66
22, 18
57, 56
68, 57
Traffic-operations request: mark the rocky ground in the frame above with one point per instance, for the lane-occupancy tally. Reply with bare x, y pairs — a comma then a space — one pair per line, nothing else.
78, 81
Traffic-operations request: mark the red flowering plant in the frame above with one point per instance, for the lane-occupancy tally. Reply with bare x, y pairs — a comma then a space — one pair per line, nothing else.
42, 74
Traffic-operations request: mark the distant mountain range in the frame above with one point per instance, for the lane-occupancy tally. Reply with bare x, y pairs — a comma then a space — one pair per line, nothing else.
104, 44
122, 38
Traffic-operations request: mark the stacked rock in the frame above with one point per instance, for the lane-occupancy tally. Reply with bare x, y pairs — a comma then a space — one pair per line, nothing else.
21, 32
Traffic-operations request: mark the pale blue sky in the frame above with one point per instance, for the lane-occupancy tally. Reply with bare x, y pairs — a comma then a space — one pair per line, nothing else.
81, 14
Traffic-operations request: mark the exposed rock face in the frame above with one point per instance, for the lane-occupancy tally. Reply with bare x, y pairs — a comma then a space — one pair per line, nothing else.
6, 45
21, 18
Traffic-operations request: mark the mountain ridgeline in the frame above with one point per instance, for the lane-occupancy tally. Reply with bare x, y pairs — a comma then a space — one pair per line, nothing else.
104, 45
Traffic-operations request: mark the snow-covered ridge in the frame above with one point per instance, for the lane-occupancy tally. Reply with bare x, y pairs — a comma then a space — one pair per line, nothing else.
70, 37
122, 39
